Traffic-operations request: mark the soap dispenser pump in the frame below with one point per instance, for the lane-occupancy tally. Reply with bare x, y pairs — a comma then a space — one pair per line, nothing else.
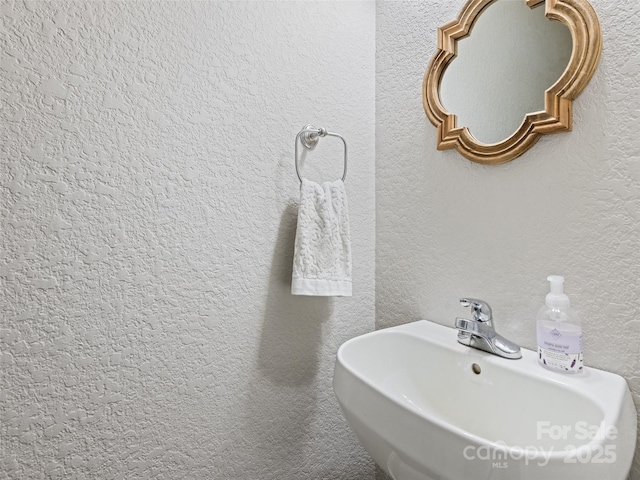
559, 331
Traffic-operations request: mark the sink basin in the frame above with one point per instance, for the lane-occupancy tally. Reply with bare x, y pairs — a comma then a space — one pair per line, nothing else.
428, 408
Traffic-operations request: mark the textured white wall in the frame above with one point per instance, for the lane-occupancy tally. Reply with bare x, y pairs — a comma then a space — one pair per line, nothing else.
148, 201
447, 227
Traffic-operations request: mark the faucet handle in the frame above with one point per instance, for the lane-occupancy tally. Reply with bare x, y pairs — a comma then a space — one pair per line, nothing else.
480, 309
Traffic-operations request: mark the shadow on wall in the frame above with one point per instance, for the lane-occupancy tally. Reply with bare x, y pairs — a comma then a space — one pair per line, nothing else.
281, 402
381, 475
292, 328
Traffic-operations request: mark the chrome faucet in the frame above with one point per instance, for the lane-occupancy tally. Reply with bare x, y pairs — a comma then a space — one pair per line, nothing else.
479, 332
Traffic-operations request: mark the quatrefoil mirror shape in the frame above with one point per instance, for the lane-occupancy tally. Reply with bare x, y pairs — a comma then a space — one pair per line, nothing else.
581, 21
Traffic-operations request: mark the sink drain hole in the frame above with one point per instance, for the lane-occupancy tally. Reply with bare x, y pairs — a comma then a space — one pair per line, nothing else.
476, 368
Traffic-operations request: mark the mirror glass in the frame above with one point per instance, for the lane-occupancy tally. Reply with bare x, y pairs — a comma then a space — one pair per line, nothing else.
512, 55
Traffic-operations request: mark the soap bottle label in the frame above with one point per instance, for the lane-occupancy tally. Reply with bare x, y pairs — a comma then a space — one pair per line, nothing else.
560, 351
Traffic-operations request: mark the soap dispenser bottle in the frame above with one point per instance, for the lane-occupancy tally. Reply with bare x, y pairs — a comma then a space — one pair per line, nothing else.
559, 331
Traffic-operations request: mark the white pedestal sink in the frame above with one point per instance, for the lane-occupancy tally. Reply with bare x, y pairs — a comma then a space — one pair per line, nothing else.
427, 408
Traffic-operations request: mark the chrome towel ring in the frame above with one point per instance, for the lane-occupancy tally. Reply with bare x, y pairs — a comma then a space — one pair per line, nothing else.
309, 136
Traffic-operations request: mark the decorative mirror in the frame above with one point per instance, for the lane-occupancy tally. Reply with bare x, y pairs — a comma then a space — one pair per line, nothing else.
513, 79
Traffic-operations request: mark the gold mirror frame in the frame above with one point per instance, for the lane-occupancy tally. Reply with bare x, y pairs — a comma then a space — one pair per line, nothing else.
582, 21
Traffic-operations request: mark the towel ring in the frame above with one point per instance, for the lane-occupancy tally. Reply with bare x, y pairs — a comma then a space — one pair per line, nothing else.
309, 136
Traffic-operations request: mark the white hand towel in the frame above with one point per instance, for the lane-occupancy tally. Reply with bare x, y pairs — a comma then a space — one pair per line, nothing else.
322, 257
